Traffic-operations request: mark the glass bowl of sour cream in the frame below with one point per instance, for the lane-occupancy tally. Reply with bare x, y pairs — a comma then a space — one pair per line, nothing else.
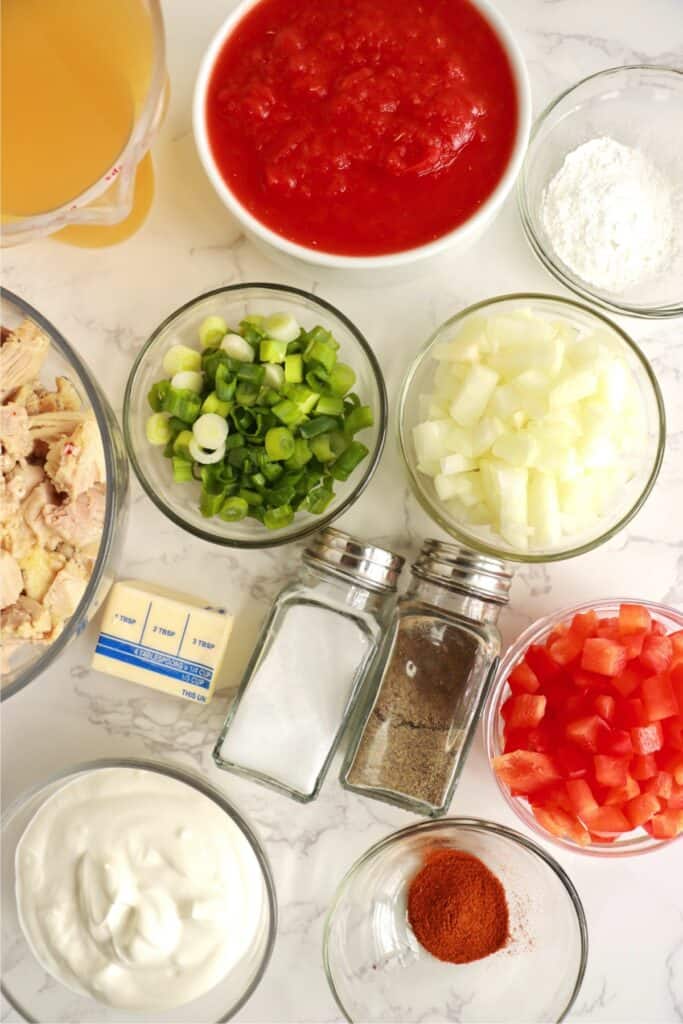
131, 891
600, 195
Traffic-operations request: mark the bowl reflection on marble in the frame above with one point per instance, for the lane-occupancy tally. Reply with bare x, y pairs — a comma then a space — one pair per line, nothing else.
180, 502
378, 971
37, 996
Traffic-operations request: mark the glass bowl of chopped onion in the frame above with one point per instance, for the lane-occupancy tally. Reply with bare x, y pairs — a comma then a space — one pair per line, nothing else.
532, 427
255, 415
378, 970
587, 716
599, 192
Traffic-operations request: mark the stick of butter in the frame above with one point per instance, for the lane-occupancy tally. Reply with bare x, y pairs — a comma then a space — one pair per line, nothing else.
163, 639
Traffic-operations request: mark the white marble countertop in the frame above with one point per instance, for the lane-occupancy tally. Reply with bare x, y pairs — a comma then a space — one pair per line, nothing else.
106, 303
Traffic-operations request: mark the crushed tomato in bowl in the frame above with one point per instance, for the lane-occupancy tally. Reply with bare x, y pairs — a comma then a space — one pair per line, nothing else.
593, 728
362, 127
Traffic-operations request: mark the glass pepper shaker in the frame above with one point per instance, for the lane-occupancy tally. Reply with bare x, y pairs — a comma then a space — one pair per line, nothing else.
308, 665
431, 677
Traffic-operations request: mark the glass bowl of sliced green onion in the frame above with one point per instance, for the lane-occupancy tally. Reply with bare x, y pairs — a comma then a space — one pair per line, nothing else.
255, 415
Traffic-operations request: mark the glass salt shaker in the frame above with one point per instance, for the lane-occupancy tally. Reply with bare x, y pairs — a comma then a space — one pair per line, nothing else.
308, 665
430, 679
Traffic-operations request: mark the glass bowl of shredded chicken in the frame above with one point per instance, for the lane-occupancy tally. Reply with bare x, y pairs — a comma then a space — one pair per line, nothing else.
63, 484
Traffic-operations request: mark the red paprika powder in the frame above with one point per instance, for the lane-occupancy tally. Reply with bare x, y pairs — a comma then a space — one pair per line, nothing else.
457, 907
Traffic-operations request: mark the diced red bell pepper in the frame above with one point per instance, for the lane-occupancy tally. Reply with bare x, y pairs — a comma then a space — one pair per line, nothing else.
673, 762
584, 624
523, 711
633, 644
676, 677
628, 681
573, 763
641, 808
555, 796
634, 618
525, 771
677, 644
605, 706
541, 662
586, 732
604, 656
644, 766
566, 649
608, 628
673, 732
647, 739
666, 825
660, 784
658, 628
560, 823
675, 800
659, 697
610, 771
617, 796
523, 679
630, 713
608, 821
617, 743
560, 630
657, 653
588, 680
581, 797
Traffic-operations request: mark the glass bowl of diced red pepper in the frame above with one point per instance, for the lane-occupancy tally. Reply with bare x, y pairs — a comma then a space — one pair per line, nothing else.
584, 727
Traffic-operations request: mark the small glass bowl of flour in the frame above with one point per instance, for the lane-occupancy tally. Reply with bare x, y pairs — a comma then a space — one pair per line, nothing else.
601, 190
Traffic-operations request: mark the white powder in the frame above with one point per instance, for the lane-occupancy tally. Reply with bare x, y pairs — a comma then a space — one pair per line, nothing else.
609, 215
293, 706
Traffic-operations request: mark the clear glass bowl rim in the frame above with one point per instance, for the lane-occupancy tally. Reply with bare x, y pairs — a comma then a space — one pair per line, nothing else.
471, 540
468, 824
206, 789
316, 523
85, 380
533, 633
574, 284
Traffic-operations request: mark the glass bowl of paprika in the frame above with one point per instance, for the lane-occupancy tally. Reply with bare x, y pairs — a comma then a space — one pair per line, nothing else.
459, 919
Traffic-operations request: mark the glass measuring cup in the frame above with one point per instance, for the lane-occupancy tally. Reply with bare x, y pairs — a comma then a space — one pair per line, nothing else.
113, 203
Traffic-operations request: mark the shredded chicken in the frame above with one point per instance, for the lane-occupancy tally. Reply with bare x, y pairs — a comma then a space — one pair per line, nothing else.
52, 494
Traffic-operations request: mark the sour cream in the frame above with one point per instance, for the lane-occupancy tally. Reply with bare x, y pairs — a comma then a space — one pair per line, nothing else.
137, 890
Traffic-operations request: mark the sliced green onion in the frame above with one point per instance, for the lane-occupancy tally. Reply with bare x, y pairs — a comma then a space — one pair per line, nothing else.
272, 351
274, 376
318, 380
157, 430
322, 353
237, 348
247, 393
318, 425
180, 358
294, 368
281, 327
183, 404
157, 394
210, 430
301, 455
252, 372
360, 418
187, 380
276, 518
279, 443
211, 330
226, 384
182, 470
342, 379
234, 509
287, 412
252, 498
319, 333
181, 445
205, 458
319, 498
303, 397
321, 448
212, 403
348, 460
330, 405
210, 504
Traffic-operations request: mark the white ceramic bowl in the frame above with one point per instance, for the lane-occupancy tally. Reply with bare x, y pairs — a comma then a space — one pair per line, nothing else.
456, 240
